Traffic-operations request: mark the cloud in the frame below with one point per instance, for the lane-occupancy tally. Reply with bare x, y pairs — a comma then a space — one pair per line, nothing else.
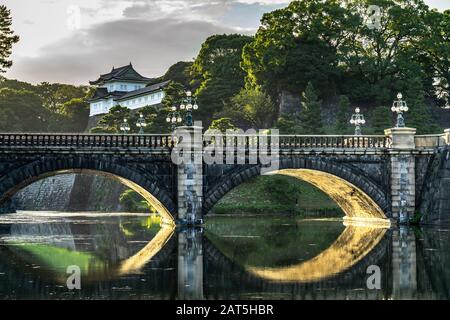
192, 9
178, 9
152, 46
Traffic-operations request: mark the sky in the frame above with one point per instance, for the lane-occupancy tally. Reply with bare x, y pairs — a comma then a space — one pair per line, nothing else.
74, 41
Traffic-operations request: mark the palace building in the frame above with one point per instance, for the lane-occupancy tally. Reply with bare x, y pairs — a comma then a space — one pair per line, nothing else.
124, 86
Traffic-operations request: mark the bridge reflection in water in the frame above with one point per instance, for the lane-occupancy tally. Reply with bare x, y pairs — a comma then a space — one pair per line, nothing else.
132, 257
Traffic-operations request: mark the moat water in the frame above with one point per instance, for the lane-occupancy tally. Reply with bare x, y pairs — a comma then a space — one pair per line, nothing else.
134, 256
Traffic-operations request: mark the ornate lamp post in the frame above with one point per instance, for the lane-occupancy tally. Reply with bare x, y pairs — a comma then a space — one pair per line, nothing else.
189, 103
125, 126
400, 107
141, 124
173, 118
357, 120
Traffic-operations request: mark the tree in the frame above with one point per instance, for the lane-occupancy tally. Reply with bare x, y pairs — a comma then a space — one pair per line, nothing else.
281, 189
251, 108
54, 95
342, 117
419, 115
296, 45
311, 112
286, 125
174, 93
381, 119
222, 124
179, 72
435, 58
376, 57
22, 111
115, 117
7, 38
76, 115
132, 201
216, 72
16, 85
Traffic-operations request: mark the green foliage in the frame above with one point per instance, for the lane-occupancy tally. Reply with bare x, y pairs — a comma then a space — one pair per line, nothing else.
17, 85
419, 115
132, 201
115, 117
311, 112
275, 194
251, 108
325, 44
217, 73
179, 73
22, 111
281, 190
329, 44
7, 38
54, 95
435, 55
222, 124
297, 45
55, 107
381, 119
156, 119
75, 114
342, 117
286, 125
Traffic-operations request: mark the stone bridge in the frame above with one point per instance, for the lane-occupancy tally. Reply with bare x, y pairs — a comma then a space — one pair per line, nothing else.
184, 175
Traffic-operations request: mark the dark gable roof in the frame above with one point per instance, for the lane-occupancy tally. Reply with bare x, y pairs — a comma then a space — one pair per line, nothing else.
146, 90
102, 93
126, 73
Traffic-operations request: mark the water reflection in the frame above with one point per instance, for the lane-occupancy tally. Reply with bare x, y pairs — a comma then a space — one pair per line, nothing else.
136, 257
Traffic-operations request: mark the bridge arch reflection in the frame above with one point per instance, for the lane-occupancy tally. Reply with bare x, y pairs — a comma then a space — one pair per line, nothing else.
355, 243
55, 242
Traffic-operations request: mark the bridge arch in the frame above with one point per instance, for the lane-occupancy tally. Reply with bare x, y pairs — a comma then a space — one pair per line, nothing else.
356, 194
146, 185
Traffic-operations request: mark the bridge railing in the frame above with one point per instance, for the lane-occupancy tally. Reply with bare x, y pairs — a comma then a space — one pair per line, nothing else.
283, 142
85, 140
430, 141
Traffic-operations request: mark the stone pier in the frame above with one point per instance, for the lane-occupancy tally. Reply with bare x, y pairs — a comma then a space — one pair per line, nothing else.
404, 265
190, 264
402, 167
190, 175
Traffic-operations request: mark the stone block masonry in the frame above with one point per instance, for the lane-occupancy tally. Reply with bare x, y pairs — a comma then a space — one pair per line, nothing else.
403, 187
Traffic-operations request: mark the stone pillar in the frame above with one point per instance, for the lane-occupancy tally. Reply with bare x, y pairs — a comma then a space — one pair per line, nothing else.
190, 264
403, 178
190, 174
447, 136
404, 264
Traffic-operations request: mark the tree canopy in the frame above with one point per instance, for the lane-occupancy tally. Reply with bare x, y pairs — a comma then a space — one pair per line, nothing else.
217, 75
7, 38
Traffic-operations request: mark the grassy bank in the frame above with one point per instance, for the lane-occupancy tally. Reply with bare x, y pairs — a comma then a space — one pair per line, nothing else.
277, 194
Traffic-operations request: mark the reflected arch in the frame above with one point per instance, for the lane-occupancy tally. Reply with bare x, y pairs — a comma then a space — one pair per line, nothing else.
355, 243
156, 251
143, 183
356, 194
357, 247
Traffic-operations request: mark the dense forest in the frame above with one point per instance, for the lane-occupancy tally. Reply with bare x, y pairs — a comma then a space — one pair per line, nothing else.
304, 71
